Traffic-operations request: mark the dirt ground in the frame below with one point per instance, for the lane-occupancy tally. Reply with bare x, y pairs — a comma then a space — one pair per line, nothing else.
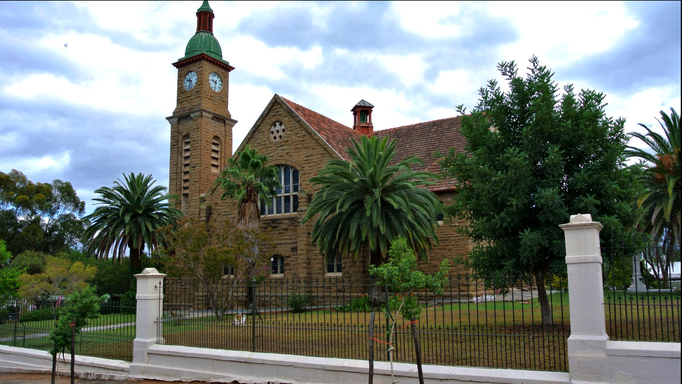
34, 378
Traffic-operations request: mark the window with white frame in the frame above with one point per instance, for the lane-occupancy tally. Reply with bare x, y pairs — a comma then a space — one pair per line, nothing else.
334, 266
277, 265
286, 200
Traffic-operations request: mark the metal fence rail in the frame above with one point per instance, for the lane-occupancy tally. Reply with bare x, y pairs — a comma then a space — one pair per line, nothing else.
642, 295
28, 324
468, 325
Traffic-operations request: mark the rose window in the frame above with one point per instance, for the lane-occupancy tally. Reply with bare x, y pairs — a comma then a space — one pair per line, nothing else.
277, 131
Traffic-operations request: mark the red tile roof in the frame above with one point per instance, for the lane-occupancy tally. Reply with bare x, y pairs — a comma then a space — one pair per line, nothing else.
421, 139
335, 134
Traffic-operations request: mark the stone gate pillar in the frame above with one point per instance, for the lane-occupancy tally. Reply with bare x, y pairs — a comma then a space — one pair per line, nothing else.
148, 329
587, 358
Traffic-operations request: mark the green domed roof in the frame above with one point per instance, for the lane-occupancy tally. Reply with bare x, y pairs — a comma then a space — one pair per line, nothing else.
203, 42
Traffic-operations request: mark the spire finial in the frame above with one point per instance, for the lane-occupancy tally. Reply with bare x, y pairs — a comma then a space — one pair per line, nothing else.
205, 7
205, 18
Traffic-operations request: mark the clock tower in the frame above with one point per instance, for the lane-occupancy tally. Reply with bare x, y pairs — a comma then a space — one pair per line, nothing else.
201, 125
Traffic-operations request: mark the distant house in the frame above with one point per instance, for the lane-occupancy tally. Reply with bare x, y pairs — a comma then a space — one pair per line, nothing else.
673, 273
297, 140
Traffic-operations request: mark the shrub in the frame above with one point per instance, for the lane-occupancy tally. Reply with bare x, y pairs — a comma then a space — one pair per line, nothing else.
8, 313
298, 303
128, 301
45, 313
558, 283
359, 304
112, 278
620, 276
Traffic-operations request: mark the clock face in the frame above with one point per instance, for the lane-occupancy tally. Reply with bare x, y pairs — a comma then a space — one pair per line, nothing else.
190, 80
215, 81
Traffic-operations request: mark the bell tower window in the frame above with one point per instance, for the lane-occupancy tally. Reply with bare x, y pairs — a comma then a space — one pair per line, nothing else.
185, 173
215, 155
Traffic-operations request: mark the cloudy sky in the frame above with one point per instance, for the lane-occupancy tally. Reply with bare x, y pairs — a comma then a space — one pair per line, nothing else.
92, 110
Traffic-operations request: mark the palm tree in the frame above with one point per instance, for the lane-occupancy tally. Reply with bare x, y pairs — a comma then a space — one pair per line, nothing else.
661, 162
247, 178
128, 216
366, 203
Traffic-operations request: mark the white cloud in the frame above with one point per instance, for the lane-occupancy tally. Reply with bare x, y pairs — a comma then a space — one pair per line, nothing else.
31, 165
561, 32
644, 107
114, 78
427, 18
409, 69
246, 104
462, 83
261, 60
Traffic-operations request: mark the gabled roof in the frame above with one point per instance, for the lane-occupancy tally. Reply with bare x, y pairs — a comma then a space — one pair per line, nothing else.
336, 135
421, 139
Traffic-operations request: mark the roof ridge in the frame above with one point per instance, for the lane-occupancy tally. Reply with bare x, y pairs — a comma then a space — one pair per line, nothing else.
317, 113
418, 124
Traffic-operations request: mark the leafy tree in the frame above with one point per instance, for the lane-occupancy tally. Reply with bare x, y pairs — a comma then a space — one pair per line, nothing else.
128, 216
201, 252
246, 178
533, 158
9, 277
366, 203
401, 276
59, 277
31, 262
661, 198
43, 217
79, 307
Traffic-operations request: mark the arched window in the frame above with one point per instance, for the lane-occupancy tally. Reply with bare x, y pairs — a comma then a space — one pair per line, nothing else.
215, 155
286, 200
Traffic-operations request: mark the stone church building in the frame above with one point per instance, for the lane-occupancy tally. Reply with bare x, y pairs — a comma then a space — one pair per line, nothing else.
299, 142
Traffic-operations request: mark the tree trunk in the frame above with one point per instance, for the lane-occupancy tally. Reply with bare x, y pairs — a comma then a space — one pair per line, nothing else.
417, 349
371, 349
539, 273
135, 260
54, 367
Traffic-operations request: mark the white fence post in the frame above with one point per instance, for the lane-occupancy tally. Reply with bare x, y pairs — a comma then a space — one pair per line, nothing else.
149, 309
587, 356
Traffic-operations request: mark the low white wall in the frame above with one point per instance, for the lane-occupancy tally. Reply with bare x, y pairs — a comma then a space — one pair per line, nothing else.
24, 360
643, 362
173, 363
627, 362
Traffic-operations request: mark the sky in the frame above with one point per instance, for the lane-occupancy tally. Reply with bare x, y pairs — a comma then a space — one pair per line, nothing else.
86, 86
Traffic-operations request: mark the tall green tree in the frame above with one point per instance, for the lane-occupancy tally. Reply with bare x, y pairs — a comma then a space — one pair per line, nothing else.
366, 203
128, 216
42, 217
661, 178
246, 179
534, 157
9, 276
